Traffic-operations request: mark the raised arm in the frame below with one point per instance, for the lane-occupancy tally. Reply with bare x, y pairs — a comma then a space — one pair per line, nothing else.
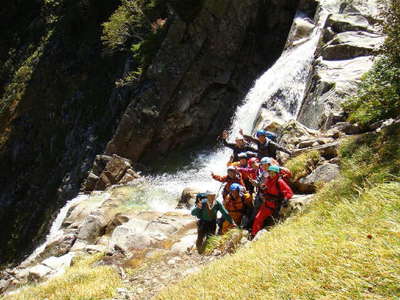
218, 178
229, 145
196, 211
280, 148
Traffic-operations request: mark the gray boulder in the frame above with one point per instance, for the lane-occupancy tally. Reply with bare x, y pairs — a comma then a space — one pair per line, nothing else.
295, 205
321, 175
158, 232
93, 226
38, 272
332, 82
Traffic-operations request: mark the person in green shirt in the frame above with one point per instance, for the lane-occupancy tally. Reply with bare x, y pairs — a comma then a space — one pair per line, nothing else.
205, 210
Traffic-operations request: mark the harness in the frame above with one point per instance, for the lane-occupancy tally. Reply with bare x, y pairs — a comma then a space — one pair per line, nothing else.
277, 199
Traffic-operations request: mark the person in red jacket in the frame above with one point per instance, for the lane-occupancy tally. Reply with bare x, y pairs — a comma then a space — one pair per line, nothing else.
276, 192
232, 177
250, 172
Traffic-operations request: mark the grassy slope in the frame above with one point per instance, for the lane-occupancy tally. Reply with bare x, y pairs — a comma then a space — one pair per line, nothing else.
345, 246
82, 281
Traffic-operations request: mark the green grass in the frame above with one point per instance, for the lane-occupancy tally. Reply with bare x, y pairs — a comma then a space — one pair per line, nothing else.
82, 281
301, 165
225, 243
346, 245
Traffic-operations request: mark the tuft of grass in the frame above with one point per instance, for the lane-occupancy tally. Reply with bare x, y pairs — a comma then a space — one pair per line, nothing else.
80, 281
301, 165
346, 245
225, 243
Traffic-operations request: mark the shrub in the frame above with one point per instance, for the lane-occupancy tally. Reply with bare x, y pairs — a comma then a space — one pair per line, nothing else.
132, 22
378, 97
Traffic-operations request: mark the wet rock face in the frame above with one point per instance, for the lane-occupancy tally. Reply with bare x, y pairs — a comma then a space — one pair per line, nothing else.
107, 171
220, 53
63, 119
351, 38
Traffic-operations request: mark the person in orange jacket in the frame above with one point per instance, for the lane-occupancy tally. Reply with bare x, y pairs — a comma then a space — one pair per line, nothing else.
276, 192
237, 203
232, 177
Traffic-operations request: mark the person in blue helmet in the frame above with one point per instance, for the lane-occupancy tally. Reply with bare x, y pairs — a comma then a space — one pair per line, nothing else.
205, 210
238, 203
266, 147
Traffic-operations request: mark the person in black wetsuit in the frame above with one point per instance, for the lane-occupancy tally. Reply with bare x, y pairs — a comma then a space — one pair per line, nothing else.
265, 146
238, 147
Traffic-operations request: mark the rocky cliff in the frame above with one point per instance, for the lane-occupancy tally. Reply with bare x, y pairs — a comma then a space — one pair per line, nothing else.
351, 36
60, 107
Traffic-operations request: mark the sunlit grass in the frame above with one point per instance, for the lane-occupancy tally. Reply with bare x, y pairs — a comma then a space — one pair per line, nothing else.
80, 282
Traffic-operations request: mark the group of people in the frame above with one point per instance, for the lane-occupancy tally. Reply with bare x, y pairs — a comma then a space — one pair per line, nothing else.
254, 188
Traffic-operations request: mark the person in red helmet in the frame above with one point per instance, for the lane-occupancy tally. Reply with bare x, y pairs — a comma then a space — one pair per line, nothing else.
276, 192
232, 177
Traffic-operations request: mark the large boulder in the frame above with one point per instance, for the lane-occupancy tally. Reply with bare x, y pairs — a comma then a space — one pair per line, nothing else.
108, 171
148, 233
295, 205
93, 226
348, 22
321, 175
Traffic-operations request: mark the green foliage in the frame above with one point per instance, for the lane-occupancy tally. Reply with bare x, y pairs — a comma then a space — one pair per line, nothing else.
391, 47
132, 22
378, 97
138, 27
